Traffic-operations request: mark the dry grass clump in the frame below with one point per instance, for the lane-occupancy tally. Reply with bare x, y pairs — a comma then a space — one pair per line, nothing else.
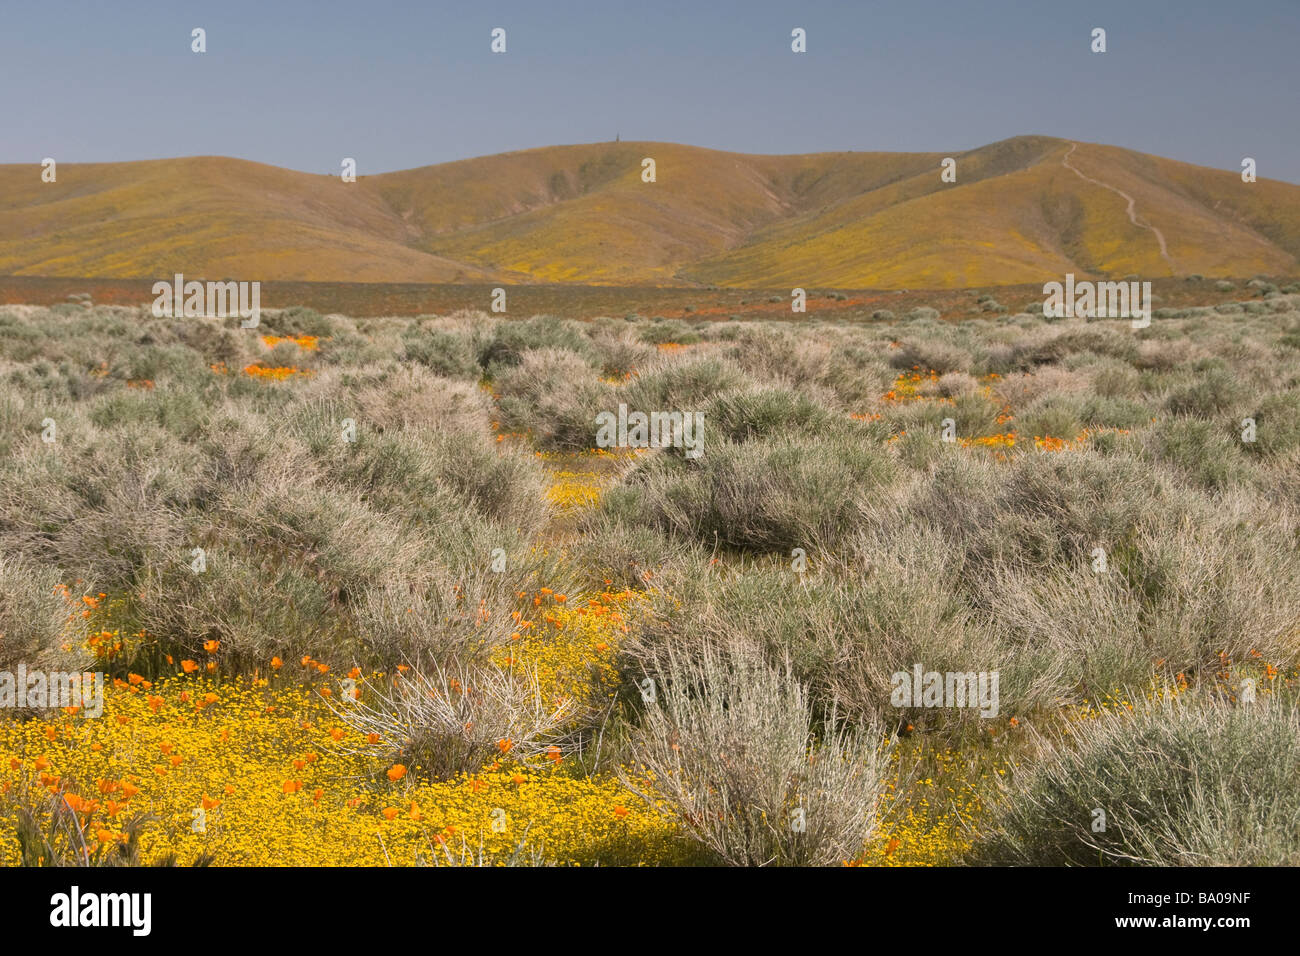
438, 721
732, 747
1172, 783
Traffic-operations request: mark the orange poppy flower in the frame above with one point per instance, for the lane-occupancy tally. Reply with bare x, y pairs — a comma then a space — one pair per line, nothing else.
620, 812
189, 667
211, 646
505, 745
396, 772
389, 812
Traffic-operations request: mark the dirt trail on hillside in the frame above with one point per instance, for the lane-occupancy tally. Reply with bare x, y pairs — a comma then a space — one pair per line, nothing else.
1132, 205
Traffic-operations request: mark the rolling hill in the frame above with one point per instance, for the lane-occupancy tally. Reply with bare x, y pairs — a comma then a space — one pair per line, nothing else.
1022, 210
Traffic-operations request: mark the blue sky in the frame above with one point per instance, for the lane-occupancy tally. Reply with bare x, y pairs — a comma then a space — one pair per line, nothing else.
402, 84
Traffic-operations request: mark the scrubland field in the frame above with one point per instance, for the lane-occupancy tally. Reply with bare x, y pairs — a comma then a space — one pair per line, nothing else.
367, 594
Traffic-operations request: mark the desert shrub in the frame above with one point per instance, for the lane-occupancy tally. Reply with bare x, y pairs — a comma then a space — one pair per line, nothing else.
1181, 783
744, 415
885, 600
1222, 583
1165, 354
974, 414
671, 331
771, 494
1277, 424
1055, 347
1208, 395
623, 553
443, 352
258, 608
298, 320
619, 356
554, 395
681, 385
438, 721
936, 355
35, 621
1042, 509
954, 384
733, 750
1052, 415
99, 503
1019, 389
1201, 451
508, 341
1111, 412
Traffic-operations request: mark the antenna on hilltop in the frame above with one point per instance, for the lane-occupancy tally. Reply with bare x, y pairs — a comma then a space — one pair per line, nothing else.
616, 136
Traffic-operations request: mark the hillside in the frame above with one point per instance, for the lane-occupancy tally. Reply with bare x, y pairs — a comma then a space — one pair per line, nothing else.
1021, 210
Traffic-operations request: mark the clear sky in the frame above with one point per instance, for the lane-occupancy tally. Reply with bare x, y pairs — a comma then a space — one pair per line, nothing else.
304, 83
